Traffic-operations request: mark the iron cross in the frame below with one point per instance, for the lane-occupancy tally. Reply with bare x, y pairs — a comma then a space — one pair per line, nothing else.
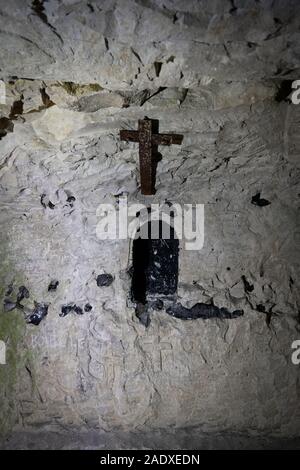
148, 138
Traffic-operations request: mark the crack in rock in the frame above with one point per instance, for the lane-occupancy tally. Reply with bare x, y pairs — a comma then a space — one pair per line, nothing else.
53, 285
200, 310
258, 201
104, 280
39, 312
66, 309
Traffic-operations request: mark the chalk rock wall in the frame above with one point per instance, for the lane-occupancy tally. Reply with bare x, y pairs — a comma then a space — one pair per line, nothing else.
219, 73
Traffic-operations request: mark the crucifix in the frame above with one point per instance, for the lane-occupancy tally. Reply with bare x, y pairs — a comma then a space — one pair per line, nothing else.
149, 139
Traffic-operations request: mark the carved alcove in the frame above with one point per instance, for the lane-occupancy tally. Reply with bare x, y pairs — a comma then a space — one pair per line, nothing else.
155, 263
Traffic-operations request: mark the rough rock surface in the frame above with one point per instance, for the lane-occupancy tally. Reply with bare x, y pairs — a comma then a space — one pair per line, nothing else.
75, 74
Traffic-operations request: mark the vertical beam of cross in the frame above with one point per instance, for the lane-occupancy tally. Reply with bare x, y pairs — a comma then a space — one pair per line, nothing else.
148, 138
146, 156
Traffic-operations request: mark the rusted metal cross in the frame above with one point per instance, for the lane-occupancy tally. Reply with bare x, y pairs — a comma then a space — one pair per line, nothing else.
148, 138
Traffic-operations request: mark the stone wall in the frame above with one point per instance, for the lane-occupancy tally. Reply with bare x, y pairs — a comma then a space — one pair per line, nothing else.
218, 72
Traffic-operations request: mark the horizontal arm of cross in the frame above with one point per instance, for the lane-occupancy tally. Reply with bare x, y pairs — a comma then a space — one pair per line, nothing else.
157, 139
167, 139
129, 136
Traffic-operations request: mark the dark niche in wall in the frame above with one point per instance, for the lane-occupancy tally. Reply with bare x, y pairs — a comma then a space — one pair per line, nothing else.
155, 262
154, 273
